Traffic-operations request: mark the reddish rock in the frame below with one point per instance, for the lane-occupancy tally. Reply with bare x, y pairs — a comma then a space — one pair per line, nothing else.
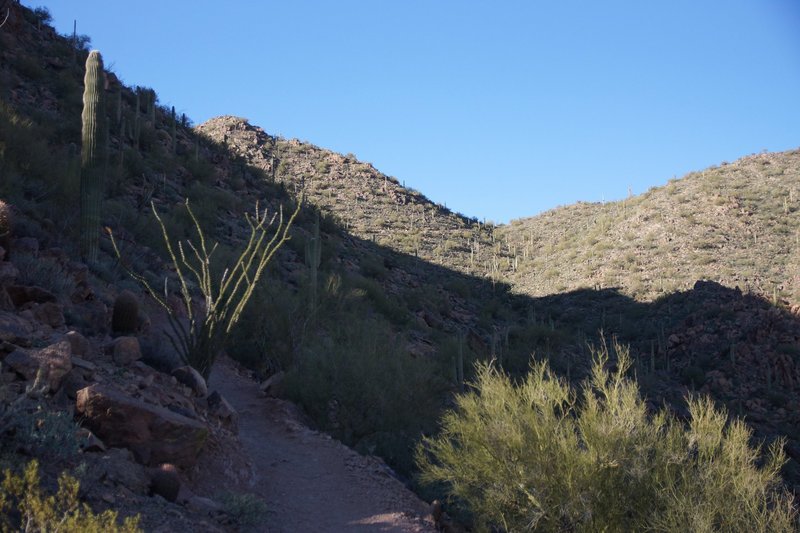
54, 362
126, 350
154, 434
190, 377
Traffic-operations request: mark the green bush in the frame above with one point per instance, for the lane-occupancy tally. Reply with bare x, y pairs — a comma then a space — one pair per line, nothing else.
360, 383
540, 455
246, 510
24, 507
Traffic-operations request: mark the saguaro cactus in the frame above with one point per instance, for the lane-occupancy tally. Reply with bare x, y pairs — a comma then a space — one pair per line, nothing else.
313, 259
93, 155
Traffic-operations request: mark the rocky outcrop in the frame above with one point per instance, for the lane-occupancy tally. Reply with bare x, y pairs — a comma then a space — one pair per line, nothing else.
15, 329
154, 434
51, 364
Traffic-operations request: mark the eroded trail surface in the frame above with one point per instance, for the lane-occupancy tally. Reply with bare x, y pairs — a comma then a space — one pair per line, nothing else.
310, 481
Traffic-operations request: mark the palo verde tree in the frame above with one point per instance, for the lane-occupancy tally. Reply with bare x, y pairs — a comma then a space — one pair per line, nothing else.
539, 455
211, 320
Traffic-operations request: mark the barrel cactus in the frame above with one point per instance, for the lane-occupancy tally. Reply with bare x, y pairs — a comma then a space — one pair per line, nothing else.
93, 155
125, 317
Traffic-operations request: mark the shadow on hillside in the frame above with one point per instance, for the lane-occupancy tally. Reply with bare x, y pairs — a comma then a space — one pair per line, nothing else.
740, 348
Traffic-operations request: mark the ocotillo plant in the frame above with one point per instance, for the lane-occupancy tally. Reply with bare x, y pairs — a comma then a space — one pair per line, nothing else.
313, 258
93, 155
201, 335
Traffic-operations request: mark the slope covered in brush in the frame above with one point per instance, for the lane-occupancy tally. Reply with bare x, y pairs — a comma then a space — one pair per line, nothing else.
736, 224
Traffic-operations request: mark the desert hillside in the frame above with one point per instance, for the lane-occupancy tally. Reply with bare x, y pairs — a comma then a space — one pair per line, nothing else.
368, 323
735, 224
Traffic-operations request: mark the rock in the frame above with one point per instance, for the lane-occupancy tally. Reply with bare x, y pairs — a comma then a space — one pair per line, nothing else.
166, 482
54, 362
8, 273
273, 386
26, 245
190, 377
92, 315
76, 380
5, 300
126, 350
50, 313
80, 345
153, 433
22, 294
219, 408
88, 441
15, 329
204, 505
117, 467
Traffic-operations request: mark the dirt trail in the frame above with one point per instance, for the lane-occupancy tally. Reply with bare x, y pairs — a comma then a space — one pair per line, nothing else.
310, 481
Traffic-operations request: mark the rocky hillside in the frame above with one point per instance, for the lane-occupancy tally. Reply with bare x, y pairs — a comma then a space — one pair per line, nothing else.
381, 298
736, 224
364, 201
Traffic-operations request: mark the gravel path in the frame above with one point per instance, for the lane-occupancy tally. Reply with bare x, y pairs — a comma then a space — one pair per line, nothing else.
310, 481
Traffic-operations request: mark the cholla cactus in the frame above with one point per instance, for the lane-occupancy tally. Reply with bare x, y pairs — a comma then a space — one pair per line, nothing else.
93, 155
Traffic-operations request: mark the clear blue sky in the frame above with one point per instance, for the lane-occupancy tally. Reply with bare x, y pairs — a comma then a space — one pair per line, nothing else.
498, 109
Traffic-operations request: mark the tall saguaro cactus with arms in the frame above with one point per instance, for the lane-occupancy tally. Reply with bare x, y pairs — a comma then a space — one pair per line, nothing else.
93, 155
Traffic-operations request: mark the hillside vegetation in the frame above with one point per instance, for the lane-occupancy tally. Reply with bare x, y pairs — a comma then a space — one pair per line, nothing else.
383, 306
735, 224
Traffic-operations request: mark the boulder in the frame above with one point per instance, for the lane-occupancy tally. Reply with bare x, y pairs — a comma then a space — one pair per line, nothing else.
50, 313
153, 433
5, 300
80, 345
126, 350
15, 329
186, 375
219, 408
8, 272
273, 386
23, 294
54, 362
88, 441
